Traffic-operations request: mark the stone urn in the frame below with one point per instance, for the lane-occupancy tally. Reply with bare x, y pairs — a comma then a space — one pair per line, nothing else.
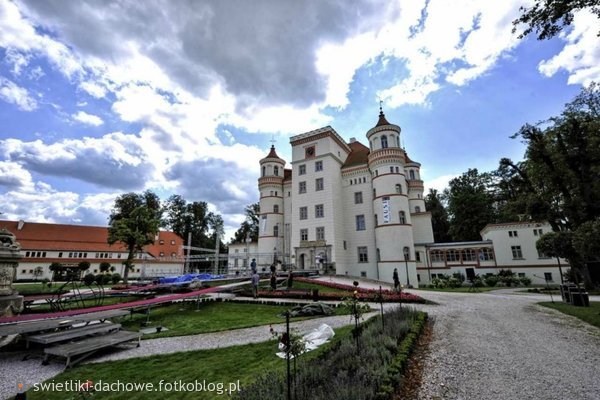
10, 254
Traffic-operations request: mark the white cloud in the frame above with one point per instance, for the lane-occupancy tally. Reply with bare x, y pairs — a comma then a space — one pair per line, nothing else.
12, 93
438, 183
86, 118
581, 55
13, 175
93, 89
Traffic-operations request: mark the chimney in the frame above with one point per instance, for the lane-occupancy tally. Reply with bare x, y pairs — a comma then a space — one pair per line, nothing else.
21, 224
352, 140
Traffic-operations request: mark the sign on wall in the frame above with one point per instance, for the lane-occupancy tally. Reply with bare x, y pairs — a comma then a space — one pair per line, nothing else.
386, 210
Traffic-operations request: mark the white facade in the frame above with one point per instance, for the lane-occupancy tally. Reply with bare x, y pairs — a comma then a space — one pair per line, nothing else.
241, 255
344, 207
508, 246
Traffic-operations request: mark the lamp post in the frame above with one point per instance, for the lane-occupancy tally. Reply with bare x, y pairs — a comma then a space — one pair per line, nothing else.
406, 251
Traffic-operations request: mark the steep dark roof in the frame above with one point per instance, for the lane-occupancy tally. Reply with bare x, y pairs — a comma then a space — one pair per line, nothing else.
359, 155
272, 153
382, 120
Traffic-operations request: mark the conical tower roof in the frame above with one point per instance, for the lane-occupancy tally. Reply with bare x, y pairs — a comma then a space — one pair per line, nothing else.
272, 156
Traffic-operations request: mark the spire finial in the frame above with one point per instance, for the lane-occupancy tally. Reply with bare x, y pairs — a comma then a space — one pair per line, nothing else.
272, 141
380, 107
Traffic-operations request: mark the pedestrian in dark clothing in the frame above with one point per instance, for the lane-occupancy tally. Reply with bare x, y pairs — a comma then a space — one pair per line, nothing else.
273, 281
290, 281
253, 265
396, 279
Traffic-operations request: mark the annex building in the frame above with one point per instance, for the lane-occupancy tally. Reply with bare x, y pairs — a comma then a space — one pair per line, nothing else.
357, 210
43, 244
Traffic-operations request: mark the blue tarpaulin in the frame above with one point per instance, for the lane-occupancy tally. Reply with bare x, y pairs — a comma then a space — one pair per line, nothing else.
189, 277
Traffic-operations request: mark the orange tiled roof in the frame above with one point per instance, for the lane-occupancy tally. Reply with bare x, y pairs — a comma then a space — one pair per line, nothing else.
53, 237
359, 154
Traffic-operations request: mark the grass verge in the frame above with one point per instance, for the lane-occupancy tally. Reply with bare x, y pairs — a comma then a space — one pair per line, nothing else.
590, 314
219, 366
190, 319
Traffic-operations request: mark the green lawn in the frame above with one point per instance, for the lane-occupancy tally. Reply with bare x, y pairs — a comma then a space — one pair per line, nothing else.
463, 289
186, 319
27, 289
311, 286
590, 314
227, 365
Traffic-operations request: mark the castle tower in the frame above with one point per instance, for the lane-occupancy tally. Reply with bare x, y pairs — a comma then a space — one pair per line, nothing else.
391, 204
270, 186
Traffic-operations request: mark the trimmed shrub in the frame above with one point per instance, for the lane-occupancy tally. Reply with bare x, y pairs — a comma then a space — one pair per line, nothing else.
88, 279
491, 280
115, 278
459, 276
454, 283
525, 280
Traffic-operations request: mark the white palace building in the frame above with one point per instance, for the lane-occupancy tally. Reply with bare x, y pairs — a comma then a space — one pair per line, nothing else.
349, 209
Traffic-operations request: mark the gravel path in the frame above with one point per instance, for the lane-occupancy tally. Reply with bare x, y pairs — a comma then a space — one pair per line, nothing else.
494, 345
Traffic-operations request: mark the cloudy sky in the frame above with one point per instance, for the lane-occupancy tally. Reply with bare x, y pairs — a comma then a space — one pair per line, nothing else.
98, 98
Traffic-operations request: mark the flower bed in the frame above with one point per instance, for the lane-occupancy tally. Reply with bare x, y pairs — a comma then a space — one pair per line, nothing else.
367, 368
364, 296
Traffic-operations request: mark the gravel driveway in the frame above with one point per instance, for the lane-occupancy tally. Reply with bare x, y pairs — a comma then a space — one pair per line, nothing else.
495, 345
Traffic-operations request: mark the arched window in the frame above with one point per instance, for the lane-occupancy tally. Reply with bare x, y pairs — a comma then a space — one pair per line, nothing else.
264, 171
378, 255
384, 142
276, 208
406, 252
276, 171
402, 215
417, 209
398, 140
411, 173
398, 188
276, 231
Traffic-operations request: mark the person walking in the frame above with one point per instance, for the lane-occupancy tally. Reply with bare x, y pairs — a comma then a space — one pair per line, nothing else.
290, 281
253, 266
396, 279
255, 281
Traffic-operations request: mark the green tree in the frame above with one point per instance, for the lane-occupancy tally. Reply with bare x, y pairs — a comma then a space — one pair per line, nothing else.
548, 17
248, 228
104, 267
586, 240
470, 205
184, 218
439, 217
559, 245
134, 221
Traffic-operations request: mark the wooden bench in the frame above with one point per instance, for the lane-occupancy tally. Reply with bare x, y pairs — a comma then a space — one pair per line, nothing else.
73, 333
86, 347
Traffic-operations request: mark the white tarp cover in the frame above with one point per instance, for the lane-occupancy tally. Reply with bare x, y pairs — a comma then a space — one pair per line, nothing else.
312, 339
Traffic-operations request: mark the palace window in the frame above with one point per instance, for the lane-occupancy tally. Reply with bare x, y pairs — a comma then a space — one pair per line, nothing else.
417, 209
384, 142
303, 234
378, 255
537, 232
358, 198
411, 173
276, 209
516, 252
301, 187
391, 170
468, 255
360, 223
418, 256
406, 252
264, 169
513, 234
276, 231
402, 216
302, 169
276, 171
363, 255
548, 276
437, 256
303, 213
320, 233
452, 255
319, 211
319, 184
486, 254
318, 166
398, 188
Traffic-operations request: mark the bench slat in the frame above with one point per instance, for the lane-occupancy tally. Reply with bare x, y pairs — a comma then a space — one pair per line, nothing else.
92, 344
73, 333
